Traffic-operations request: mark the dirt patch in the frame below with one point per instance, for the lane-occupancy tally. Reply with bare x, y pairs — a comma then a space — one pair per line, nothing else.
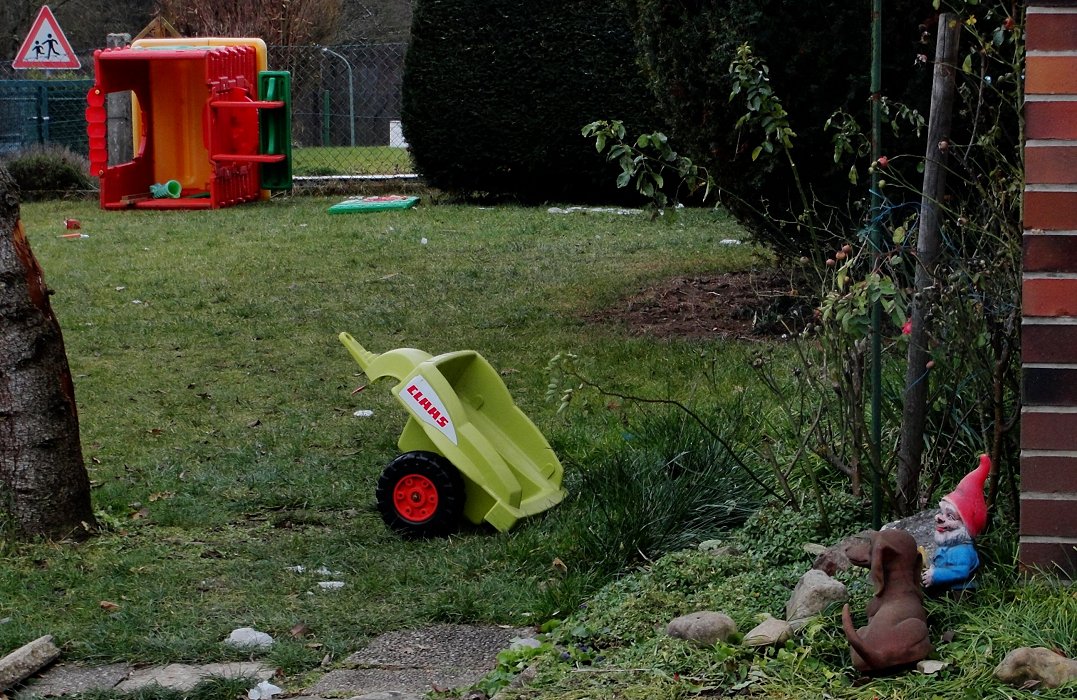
747, 305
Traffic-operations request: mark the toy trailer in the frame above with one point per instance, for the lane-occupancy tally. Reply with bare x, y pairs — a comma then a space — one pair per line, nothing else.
467, 449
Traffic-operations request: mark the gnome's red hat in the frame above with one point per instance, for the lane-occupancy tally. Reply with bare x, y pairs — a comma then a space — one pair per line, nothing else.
968, 497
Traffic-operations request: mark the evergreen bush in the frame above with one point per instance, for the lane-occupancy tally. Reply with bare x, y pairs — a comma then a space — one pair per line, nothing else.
496, 91
819, 55
48, 172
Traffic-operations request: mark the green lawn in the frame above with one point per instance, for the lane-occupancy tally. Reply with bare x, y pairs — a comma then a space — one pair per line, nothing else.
344, 160
217, 416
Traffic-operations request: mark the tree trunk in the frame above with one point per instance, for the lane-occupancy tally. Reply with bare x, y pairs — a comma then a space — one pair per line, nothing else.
914, 415
44, 488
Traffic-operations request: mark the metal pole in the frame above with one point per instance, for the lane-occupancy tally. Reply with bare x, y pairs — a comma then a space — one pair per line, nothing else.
351, 92
325, 118
877, 244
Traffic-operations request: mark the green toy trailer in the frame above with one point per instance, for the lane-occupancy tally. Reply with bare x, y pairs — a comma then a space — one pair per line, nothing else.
468, 451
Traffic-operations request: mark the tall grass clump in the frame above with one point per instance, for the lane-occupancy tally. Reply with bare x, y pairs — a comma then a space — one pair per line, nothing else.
671, 485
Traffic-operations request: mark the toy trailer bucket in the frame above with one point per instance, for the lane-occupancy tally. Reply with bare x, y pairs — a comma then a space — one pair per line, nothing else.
461, 409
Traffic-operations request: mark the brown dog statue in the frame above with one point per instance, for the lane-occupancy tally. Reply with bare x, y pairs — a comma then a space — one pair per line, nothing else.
896, 634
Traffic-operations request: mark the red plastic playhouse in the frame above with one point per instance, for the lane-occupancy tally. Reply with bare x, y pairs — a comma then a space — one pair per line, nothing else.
211, 126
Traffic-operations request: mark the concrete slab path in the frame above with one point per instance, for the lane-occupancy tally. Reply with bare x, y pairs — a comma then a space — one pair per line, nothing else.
401, 665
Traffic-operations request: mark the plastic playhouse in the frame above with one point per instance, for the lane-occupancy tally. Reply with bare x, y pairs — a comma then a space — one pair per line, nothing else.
468, 451
211, 125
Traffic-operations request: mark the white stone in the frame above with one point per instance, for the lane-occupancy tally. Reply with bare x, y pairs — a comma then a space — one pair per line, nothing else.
249, 638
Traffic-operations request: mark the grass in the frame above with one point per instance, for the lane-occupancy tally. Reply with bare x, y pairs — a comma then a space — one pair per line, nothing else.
218, 429
616, 648
345, 160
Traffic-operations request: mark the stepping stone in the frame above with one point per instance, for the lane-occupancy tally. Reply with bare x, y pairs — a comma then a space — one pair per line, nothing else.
74, 679
184, 677
407, 664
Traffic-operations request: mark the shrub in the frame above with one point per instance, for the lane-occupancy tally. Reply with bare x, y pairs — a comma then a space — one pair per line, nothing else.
495, 93
46, 172
820, 61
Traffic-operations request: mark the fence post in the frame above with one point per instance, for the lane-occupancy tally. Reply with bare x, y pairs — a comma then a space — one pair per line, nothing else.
43, 113
118, 106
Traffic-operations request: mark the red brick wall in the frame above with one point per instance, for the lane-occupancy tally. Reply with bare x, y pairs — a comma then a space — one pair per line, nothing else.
1049, 327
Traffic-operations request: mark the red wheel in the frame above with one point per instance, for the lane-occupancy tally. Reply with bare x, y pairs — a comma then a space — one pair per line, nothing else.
421, 494
415, 498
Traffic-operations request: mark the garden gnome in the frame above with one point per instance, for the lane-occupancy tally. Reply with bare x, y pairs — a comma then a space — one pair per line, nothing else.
961, 518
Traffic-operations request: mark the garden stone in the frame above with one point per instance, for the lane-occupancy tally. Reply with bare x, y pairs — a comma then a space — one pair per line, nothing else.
770, 632
836, 558
249, 638
814, 591
1036, 664
705, 627
922, 528
930, 667
27, 660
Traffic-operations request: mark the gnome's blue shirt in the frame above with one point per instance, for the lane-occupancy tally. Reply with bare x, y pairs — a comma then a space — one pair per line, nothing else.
954, 564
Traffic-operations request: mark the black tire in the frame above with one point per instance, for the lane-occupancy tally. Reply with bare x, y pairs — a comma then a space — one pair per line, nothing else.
421, 494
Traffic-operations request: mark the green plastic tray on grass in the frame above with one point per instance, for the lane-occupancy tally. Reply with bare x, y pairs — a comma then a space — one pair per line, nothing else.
378, 203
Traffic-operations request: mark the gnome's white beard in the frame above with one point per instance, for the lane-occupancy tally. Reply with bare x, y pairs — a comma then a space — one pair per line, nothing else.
949, 538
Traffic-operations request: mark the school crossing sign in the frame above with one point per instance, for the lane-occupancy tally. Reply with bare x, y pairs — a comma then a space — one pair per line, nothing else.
46, 46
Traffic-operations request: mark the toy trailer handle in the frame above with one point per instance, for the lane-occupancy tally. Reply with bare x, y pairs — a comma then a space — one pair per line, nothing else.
398, 364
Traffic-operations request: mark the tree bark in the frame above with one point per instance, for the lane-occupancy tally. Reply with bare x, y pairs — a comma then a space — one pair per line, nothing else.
914, 415
44, 488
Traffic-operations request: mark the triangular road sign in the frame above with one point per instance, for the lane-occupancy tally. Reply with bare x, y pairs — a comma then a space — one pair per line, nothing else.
46, 46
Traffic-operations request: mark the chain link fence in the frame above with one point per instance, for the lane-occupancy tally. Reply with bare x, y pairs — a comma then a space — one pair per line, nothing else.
345, 109
40, 107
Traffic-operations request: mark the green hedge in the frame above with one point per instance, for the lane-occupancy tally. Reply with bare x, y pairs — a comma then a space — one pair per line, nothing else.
495, 93
819, 54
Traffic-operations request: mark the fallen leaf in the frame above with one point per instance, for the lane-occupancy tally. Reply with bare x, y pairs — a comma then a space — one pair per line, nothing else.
161, 496
559, 565
299, 630
109, 606
140, 514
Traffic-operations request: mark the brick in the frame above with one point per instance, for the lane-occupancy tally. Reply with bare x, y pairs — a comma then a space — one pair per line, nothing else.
1051, 75
1049, 474
1049, 297
1051, 557
1048, 431
1056, 517
1051, 211
1049, 343
1047, 253
1051, 120
1050, 32
1051, 165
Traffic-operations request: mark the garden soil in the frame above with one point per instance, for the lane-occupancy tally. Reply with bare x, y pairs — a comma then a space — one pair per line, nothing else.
734, 305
